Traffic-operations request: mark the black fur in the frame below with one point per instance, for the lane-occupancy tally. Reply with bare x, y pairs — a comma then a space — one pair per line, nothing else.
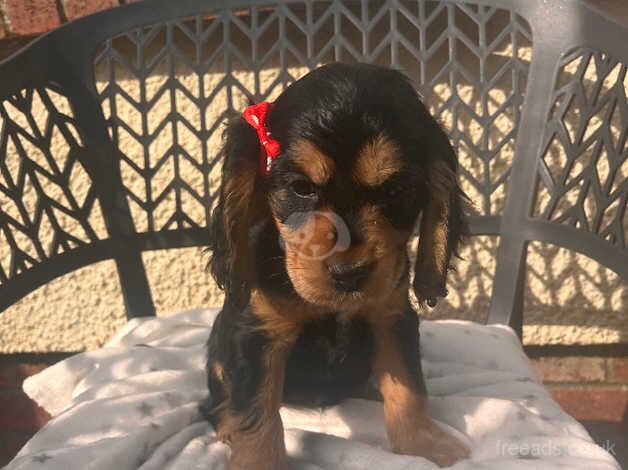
329, 361
241, 152
236, 342
406, 329
338, 108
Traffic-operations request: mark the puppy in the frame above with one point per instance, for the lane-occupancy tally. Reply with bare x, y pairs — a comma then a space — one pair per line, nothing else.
320, 194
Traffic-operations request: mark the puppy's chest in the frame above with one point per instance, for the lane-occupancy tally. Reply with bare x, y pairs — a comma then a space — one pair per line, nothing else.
334, 337
329, 359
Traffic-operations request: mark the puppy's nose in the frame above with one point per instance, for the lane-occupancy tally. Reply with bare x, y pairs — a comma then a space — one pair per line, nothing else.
349, 277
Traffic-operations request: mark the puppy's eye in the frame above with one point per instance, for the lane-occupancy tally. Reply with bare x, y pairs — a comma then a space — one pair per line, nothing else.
304, 188
397, 192
394, 191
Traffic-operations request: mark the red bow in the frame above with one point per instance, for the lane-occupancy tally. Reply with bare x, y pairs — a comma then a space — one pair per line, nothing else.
270, 149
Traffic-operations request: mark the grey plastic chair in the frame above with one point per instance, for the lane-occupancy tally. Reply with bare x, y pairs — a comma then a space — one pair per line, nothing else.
477, 45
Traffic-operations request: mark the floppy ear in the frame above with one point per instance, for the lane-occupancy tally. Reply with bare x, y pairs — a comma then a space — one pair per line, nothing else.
241, 202
443, 221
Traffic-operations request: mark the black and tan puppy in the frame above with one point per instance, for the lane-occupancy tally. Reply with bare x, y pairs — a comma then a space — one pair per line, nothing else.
311, 252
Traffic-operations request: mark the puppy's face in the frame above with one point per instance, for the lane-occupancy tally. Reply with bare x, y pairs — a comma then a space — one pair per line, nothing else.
345, 218
362, 158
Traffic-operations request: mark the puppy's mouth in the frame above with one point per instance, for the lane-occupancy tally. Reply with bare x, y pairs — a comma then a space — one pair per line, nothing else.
346, 283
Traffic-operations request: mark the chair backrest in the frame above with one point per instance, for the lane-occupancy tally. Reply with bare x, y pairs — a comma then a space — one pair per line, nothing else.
532, 93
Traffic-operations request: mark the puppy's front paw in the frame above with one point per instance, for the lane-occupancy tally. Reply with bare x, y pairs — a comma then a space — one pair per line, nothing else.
433, 443
428, 289
261, 448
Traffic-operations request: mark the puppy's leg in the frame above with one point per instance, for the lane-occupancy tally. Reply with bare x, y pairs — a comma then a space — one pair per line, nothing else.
397, 368
259, 444
246, 376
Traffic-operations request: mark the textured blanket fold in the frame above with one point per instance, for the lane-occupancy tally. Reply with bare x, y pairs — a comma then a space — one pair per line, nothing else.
133, 404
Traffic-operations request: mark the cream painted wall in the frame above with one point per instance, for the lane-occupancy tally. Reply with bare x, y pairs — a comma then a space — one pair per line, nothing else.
569, 298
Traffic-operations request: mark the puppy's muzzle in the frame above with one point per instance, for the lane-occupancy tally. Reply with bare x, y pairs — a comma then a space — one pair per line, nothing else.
349, 277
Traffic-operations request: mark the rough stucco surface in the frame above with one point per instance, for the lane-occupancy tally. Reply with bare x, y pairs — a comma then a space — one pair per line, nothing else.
569, 298
78, 311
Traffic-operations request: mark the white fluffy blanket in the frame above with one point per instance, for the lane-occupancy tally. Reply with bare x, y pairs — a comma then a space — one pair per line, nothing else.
133, 405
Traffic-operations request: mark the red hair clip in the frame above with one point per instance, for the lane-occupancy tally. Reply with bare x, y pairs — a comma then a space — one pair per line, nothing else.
270, 149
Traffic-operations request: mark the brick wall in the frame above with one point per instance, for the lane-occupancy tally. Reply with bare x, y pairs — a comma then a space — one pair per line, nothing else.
593, 390
588, 388
20, 417
31, 17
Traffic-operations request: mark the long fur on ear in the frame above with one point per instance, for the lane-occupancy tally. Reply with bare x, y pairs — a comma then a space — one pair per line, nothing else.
443, 221
241, 202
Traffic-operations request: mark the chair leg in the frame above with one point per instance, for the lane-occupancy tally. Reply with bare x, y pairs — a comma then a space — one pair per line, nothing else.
508, 288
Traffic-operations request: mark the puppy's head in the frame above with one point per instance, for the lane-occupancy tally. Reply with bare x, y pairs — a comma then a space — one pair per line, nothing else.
361, 160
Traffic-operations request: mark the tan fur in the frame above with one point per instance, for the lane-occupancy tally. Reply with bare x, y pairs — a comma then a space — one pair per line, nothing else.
432, 250
281, 317
260, 449
271, 390
381, 301
240, 208
404, 408
219, 370
441, 180
383, 310
382, 244
410, 429
315, 164
262, 446
377, 161
380, 235
308, 274
317, 230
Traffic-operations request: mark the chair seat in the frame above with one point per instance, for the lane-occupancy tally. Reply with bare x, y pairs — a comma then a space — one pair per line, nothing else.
134, 404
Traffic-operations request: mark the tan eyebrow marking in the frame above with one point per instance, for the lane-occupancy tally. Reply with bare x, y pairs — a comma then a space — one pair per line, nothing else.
314, 163
377, 160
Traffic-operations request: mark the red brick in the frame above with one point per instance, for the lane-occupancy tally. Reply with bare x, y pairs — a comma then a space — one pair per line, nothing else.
28, 369
5, 458
76, 8
19, 413
13, 442
32, 16
593, 404
571, 369
12, 374
619, 369
9, 375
